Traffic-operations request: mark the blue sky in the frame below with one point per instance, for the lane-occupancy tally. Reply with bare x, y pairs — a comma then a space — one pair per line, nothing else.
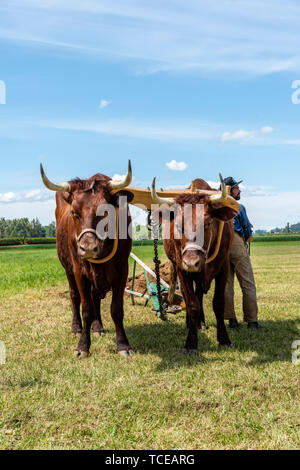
183, 89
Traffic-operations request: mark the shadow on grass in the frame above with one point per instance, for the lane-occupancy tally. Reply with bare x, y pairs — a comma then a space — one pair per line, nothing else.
270, 344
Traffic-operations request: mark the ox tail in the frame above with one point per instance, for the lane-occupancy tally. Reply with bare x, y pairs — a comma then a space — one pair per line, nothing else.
172, 282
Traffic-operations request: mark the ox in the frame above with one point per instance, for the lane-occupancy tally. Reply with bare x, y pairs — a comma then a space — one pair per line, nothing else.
93, 265
190, 259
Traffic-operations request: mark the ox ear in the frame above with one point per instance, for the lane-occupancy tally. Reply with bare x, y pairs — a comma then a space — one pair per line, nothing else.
221, 212
67, 197
115, 198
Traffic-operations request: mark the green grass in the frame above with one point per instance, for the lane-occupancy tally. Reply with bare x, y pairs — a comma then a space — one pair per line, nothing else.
28, 267
244, 398
38, 266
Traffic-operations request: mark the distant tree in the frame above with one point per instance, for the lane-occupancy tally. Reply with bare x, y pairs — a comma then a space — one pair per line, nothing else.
23, 228
295, 227
51, 230
36, 229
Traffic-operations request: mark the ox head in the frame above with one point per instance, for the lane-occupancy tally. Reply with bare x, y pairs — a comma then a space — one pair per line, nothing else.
89, 203
192, 224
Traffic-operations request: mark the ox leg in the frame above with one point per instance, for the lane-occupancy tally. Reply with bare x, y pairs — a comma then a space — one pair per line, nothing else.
192, 312
219, 305
97, 326
117, 314
88, 316
172, 282
199, 293
75, 304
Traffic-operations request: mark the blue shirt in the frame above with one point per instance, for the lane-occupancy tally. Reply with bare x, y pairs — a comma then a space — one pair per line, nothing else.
242, 224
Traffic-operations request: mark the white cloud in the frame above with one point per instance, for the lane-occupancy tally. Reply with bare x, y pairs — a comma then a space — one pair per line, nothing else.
118, 177
252, 38
273, 209
104, 103
237, 135
43, 210
245, 135
34, 195
176, 166
267, 130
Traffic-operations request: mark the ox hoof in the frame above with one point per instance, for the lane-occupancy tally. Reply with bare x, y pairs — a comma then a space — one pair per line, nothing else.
81, 353
97, 328
126, 352
76, 331
190, 352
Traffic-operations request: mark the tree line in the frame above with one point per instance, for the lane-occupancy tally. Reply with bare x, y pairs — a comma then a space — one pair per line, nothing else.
294, 228
26, 228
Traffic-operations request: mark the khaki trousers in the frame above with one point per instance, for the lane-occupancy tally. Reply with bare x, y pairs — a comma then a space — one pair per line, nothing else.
240, 264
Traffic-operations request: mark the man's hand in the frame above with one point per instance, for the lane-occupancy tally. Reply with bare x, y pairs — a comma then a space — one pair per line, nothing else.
250, 239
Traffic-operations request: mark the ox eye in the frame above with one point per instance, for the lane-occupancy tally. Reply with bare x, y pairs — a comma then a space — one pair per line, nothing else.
73, 214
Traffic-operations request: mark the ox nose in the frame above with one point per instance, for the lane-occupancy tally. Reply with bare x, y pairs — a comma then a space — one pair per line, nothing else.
191, 264
88, 247
88, 252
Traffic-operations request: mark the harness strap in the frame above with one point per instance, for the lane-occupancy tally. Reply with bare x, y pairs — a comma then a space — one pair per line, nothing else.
220, 233
87, 230
194, 246
115, 245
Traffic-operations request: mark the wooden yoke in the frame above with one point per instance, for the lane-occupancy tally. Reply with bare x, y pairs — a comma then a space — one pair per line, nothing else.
143, 196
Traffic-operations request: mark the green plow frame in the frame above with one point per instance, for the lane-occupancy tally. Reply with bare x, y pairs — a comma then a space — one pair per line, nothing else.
150, 293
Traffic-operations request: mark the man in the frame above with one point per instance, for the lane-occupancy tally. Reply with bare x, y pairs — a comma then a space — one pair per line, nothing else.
240, 264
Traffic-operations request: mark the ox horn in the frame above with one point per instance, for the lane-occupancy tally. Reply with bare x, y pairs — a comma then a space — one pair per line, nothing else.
160, 200
119, 184
54, 186
224, 194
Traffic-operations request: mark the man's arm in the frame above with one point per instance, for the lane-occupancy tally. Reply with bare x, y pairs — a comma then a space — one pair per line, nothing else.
247, 227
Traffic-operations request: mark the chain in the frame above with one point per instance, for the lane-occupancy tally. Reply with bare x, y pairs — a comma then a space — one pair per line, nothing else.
154, 225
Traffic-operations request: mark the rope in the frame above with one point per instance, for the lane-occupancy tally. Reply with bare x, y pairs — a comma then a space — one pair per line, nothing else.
114, 248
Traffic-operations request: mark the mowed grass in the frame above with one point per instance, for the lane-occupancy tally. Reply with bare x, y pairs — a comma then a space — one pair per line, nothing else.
242, 398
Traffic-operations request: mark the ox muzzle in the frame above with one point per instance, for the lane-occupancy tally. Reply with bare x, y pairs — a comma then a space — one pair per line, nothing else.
192, 261
194, 256
89, 244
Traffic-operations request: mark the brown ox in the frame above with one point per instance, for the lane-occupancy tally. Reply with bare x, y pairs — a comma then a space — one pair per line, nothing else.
189, 258
82, 252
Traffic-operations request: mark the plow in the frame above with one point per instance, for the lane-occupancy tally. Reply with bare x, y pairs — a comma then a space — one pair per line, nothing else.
150, 290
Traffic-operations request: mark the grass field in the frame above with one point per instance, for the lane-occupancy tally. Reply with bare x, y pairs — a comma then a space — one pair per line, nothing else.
242, 398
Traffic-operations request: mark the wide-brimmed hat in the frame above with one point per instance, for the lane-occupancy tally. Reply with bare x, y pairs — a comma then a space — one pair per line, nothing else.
229, 181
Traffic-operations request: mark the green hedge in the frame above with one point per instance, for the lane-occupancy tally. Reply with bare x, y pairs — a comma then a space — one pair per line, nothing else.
11, 241
145, 242
26, 241
46, 241
276, 238
40, 241
256, 238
